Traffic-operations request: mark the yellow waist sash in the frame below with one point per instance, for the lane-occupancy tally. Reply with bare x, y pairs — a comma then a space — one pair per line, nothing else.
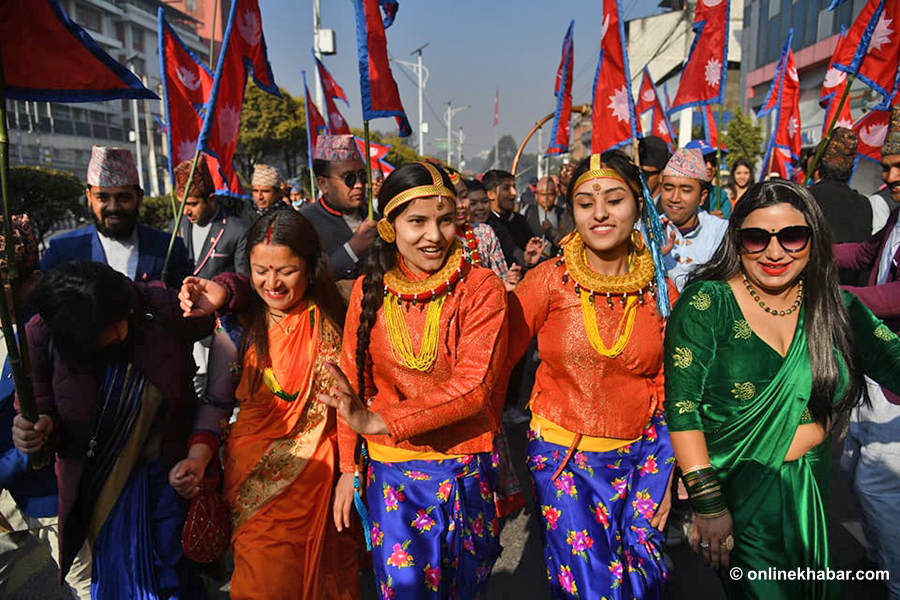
555, 434
390, 454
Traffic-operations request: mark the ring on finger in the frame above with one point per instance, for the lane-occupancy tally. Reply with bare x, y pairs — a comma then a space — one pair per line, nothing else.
704, 545
728, 542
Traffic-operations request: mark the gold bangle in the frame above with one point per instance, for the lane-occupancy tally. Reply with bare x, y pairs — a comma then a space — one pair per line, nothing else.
713, 515
697, 468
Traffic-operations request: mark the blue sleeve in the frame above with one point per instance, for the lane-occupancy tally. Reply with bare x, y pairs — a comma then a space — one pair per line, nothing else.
50, 258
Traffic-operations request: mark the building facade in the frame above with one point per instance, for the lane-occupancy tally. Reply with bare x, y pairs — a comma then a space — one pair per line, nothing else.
61, 135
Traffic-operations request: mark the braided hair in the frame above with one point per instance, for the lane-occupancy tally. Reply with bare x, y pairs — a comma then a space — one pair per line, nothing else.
383, 257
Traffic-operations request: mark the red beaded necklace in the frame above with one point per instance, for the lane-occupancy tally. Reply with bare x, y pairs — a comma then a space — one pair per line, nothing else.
471, 245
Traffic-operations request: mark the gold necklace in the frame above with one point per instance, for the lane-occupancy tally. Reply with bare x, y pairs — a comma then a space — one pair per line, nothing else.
588, 283
433, 290
276, 318
770, 310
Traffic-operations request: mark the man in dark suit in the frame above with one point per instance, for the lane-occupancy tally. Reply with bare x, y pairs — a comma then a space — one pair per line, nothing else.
501, 191
545, 216
339, 215
872, 447
216, 242
116, 238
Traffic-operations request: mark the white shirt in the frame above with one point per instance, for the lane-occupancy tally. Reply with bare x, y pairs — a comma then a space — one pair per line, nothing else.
880, 212
121, 255
887, 255
694, 249
198, 238
547, 215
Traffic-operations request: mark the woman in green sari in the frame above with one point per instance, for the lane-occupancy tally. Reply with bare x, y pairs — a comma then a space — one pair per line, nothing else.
763, 355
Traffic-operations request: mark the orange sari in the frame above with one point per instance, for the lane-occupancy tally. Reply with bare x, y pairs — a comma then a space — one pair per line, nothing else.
279, 465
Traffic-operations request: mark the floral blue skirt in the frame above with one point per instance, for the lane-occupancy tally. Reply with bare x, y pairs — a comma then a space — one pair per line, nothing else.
434, 527
595, 515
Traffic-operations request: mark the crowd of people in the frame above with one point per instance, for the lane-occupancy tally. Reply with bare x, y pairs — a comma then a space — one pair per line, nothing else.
345, 380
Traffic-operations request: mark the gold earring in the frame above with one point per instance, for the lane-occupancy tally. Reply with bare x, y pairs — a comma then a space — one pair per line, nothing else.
637, 240
386, 231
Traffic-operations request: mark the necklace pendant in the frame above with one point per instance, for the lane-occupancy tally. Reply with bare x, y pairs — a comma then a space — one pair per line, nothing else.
609, 300
641, 297
91, 446
624, 297
591, 299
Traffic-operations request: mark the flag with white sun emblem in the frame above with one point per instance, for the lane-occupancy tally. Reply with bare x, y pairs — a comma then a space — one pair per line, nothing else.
243, 46
613, 119
783, 150
869, 49
872, 129
648, 99
703, 76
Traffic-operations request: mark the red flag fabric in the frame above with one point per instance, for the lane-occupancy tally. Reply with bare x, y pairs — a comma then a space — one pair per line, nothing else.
377, 152
378, 90
872, 129
784, 147
709, 123
497, 107
661, 127
703, 76
187, 85
315, 122
870, 47
48, 58
562, 118
613, 119
243, 44
336, 123
330, 87
647, 96
835, 80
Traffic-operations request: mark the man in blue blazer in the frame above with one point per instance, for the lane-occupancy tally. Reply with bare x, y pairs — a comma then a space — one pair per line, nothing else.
116, 237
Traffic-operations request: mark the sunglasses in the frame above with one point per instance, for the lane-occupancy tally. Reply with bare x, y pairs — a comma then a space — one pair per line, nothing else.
793, 239
351, 178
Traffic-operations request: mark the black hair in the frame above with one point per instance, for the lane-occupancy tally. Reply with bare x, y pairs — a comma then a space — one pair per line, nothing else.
383, 257
290, 228
474, 185
495, 177
321, 168
828, 335
743, 162
78, 300
829, 171
611, 159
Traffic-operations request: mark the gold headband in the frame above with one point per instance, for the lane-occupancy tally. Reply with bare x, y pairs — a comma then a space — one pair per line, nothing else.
437, 188
597, 171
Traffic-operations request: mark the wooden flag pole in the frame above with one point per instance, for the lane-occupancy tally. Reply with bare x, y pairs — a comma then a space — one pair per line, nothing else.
17, 349
369, 172
212, 37
719, 156
827, 138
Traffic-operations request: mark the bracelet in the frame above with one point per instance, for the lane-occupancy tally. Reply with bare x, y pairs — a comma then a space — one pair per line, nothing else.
705, 492
697, 468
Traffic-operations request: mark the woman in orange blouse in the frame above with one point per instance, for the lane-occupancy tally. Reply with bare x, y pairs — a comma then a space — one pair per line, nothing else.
598, 449
281, 453
424, 340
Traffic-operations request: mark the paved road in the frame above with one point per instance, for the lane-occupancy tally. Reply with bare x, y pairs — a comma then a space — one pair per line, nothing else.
520, 574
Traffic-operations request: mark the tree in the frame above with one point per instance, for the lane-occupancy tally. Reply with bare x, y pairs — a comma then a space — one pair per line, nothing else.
272, 130
45, 195
743, 138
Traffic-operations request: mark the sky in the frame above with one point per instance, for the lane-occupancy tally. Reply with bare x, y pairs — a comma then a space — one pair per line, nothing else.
475, 47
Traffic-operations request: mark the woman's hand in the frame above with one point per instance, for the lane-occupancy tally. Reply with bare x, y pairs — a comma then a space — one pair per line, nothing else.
343, 501
534, 250
29, 438
200, 297
662, 513
709, 536
186, 475
361, 419
513, 277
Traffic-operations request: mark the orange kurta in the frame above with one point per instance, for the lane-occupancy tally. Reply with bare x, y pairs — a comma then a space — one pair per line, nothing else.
279, 472
447, 409
575, 387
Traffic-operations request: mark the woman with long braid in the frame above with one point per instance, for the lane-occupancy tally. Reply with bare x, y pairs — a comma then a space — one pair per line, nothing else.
598, 450
424, 339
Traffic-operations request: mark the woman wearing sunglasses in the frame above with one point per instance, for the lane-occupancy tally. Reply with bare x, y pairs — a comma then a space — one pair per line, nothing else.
763, 355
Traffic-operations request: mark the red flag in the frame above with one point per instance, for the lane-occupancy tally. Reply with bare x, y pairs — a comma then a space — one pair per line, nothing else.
784, 147
870, 47
336, 123
562, 119
497, 107
703, 76
315, 123
872, 129
647, 96
709, 125
47, 57
187, 85
614, 122
243, 44
661, 127
330, 87
380, 96
377, 152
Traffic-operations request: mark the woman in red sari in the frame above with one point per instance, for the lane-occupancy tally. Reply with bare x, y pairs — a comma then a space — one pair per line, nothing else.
281, 453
